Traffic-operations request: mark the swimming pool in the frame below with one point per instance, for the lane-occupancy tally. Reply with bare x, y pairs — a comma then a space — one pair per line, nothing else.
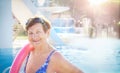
94, 55
6, 59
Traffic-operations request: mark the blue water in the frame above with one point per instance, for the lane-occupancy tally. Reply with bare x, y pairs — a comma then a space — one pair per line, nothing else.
6, 58
95, 55
89, 55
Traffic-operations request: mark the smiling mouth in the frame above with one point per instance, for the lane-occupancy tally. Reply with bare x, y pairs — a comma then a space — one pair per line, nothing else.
35, 41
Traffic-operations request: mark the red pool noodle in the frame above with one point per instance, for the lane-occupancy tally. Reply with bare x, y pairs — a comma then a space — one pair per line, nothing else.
20, 58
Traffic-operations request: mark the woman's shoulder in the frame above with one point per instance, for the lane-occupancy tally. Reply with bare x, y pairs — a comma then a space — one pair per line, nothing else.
62, 65
58, 59
57, 56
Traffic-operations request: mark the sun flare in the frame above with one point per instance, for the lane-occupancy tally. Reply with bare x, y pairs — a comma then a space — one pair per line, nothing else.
96, 2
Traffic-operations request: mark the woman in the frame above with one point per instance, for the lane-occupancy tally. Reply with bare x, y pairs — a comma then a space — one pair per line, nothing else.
44, 58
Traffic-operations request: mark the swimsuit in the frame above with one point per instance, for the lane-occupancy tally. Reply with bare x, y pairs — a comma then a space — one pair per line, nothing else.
43, 68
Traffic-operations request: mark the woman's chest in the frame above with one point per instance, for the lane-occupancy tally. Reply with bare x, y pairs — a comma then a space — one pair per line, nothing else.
35, 63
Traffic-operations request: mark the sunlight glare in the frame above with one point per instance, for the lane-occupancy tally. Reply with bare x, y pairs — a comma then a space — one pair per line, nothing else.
96, 2
41, 2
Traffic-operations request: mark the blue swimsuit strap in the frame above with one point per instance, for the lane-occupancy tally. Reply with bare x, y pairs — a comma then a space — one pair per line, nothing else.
26, 62
44, 66
48, 58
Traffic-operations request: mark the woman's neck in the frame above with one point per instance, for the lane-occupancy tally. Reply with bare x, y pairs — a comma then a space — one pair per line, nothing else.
43, 48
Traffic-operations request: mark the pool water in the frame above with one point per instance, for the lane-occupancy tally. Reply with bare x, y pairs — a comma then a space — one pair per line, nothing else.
6, 59
94, 55
89, 55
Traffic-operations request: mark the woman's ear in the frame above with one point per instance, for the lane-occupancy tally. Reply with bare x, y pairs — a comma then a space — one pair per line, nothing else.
48, 32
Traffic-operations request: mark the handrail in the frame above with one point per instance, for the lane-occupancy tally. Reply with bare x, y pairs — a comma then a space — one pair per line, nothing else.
6, 69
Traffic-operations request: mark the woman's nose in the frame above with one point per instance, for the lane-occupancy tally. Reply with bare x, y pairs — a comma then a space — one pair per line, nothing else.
34, 36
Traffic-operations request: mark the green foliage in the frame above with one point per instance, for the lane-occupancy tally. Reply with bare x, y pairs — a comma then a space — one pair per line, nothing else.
18, 30
118, 23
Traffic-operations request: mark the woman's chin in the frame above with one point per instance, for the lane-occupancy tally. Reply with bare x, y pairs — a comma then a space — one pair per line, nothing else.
36, 43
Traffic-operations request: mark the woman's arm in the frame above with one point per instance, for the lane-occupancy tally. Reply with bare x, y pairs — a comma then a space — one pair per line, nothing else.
63, 66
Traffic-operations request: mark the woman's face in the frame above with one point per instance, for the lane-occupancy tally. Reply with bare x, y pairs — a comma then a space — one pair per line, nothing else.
36, 34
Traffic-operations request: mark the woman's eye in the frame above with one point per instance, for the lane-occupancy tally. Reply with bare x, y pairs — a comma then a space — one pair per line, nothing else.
38, 32
30, 33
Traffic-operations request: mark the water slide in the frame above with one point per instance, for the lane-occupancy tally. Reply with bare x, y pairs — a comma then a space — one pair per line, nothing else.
57, 41
20, 11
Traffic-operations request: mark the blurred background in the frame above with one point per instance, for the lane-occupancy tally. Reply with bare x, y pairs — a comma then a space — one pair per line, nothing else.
86, 32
